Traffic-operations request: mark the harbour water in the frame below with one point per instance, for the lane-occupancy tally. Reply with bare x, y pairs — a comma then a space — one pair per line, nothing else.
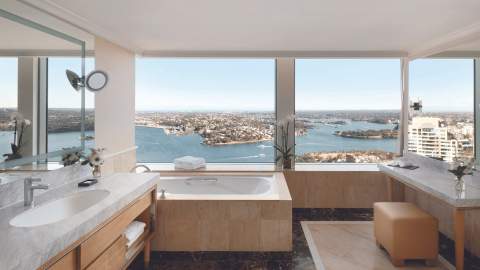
156, 146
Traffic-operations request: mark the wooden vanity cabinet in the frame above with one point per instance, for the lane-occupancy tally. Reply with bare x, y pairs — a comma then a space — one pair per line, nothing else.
112, 258
67, 262
106, 246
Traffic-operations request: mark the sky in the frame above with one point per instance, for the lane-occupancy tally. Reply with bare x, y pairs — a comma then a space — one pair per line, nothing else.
249, 84
60, 93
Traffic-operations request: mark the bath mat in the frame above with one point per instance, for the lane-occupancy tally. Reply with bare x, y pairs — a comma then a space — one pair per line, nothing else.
350, 245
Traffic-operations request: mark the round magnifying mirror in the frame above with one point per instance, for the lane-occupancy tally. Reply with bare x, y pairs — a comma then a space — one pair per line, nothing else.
96, 80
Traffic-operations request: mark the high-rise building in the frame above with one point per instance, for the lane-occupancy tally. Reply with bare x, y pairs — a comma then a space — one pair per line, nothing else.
430, 136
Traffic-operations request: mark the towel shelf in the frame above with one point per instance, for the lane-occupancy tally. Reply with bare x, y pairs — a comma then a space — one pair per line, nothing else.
106, 245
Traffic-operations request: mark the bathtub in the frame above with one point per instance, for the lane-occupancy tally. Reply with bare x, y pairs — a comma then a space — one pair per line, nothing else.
224, 212
218, 187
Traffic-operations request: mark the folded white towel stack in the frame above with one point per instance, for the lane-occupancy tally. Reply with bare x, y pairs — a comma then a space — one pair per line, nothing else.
133, 231
189, 163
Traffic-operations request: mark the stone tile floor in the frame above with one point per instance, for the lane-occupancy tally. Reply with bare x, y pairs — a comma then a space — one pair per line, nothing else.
299, 259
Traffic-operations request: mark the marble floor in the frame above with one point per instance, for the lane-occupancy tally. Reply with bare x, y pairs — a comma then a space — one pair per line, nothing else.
350, 245
299, 259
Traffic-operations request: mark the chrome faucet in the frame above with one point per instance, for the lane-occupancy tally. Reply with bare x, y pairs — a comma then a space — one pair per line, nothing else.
162, 193
28, 189
147, 169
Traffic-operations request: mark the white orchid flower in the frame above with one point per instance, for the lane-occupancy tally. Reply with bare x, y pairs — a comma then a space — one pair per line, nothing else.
290, 118
16, 116
27, 122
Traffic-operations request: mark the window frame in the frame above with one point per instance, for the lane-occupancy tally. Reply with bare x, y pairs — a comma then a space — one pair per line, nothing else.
285, 71
403, 62
247, 166
476, 104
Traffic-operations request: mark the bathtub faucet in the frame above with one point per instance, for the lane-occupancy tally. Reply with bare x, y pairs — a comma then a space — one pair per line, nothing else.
162, 193
134, 169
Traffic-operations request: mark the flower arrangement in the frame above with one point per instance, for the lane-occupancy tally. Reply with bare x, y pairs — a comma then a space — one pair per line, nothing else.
282, 145
460, 168
71, 158
94, 159
19, 125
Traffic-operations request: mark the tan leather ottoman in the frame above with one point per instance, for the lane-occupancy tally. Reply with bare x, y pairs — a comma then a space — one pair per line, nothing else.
405, 231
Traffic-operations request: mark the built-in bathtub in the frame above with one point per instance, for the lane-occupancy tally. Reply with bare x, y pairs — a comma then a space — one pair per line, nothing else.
218, 212
218, 187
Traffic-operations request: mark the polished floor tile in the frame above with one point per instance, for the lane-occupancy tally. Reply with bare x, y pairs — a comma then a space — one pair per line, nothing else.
299, 259
346, 245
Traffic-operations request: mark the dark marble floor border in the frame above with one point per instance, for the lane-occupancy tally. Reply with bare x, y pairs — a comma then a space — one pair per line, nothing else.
299, 259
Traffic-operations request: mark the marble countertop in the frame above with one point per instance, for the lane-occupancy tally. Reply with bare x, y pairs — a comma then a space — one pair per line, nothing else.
30, 248
439, 182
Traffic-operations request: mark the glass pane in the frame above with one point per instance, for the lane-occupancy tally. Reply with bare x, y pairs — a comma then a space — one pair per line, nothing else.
339, 116
444, 128
8, 102
218, 109
64, 105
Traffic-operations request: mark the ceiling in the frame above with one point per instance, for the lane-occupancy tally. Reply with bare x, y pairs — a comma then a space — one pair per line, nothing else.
20, 40
176, 27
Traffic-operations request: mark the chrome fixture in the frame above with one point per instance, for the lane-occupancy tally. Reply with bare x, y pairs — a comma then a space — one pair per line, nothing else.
162, 193
134, 169
94, 81
28, 189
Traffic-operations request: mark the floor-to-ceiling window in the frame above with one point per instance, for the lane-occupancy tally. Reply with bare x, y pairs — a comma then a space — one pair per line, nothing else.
8, 101
347, 110
218, 109
441, 123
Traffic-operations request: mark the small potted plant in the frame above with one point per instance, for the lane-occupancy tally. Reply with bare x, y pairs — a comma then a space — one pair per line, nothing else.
282, 145
19, 125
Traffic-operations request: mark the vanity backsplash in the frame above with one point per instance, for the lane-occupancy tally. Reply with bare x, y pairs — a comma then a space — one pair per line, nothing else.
11, 187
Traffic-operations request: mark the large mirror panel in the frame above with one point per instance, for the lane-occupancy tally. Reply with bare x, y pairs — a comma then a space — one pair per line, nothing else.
41, 115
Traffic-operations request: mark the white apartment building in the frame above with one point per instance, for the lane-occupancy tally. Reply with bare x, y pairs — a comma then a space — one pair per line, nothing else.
427, 136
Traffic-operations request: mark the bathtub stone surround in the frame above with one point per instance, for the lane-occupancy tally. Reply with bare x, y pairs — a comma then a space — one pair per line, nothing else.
12, 191
299, 259
336, 189
30, 248
225, 225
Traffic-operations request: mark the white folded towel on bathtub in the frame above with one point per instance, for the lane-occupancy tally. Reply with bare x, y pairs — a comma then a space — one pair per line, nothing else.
189, 163
133, 231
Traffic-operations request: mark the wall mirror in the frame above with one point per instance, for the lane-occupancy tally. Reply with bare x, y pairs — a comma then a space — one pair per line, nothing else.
41, 116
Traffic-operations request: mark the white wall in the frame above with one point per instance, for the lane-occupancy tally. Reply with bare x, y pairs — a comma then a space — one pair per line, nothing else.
115, 106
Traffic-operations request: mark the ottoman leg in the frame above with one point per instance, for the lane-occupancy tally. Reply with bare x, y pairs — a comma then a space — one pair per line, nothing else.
398, 262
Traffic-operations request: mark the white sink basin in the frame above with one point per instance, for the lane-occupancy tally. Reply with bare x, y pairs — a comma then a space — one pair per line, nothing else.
59, 209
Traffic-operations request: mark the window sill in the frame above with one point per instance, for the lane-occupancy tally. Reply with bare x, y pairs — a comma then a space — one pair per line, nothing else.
337, 167
214, 167
226, 167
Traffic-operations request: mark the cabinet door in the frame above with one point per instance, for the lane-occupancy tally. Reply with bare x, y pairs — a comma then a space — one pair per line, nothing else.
67, 262
112, 258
